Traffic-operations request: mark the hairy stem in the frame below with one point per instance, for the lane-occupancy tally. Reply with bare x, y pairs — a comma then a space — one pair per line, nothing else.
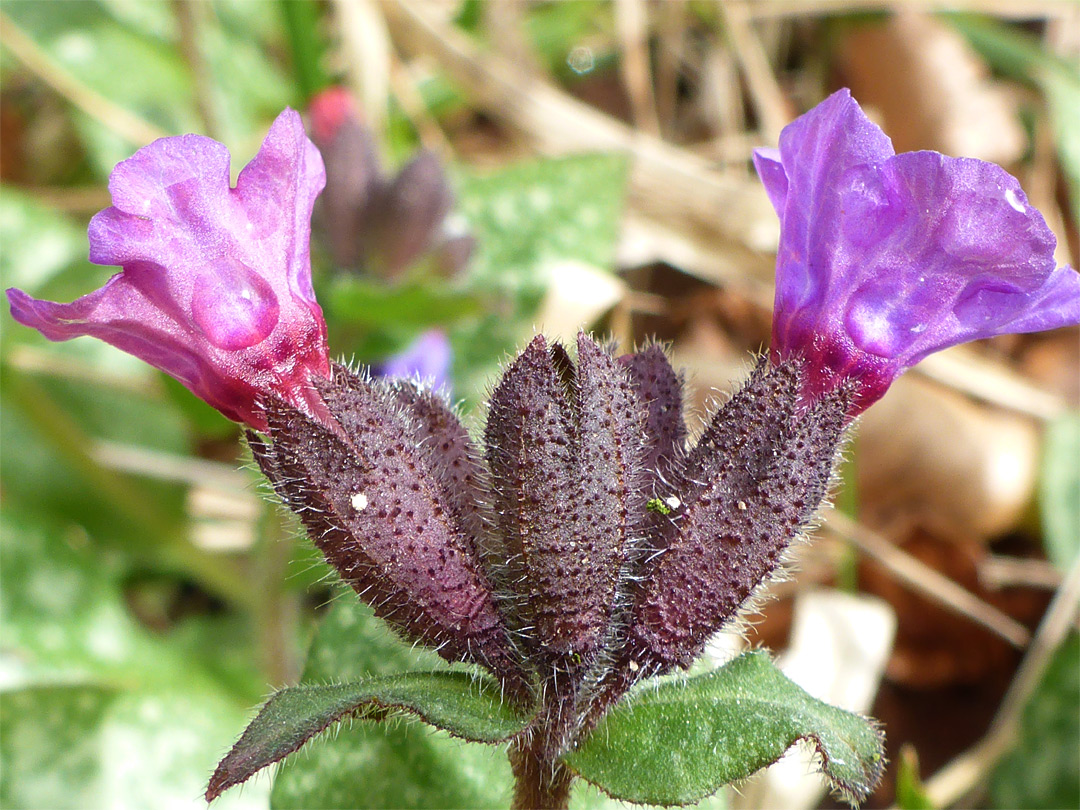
540, 783
541, 780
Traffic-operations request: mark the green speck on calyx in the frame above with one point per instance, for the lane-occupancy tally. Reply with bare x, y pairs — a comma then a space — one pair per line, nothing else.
657, 505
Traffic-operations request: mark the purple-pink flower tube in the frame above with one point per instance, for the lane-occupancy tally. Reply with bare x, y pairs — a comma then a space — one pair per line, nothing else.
216, 283
886, 258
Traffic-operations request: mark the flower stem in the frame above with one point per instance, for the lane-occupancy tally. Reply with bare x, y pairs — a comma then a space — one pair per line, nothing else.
539, 782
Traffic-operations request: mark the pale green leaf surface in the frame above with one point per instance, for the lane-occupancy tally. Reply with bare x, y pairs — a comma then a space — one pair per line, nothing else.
94, 711
526, 219
540, 211
1059, 490
38, 242
680, 741
61, 615
410, 305
86, 746
1043, 771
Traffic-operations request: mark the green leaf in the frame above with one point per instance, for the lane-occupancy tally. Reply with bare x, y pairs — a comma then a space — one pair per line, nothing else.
352, 644
400, 765
545, 210
79, 746
355, 299
683, 740
95, 711
468, 706
528, 219
556, 29
47, 750
1059, 490
1043, 770
306, 43
38, 242
103, 52
587, 796
910, 791
61, 612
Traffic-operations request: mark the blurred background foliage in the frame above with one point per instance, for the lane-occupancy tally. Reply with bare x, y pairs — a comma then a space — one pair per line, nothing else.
598, 156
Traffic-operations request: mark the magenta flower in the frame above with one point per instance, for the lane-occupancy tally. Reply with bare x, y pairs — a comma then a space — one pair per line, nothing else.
216, 282
885, 258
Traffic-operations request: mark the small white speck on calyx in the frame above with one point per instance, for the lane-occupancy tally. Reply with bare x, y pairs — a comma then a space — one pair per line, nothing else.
359, 501
672, 501
742, 506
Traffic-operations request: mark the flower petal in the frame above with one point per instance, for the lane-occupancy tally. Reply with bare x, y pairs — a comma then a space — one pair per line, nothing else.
120, 314
771, 171
428, 358
886, 258
277, 191
824, 153
216, 288
964, 257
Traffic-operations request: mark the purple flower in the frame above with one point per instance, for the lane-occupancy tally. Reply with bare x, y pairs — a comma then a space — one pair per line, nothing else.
427, 358
216, 282
885, 258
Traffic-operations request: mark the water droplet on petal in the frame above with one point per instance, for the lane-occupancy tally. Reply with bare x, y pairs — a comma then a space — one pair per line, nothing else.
233, 306
1012, 199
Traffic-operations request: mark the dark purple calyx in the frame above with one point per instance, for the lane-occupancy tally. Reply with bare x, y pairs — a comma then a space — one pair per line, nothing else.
659, 390
608, 511
753, 484
566, 451
389, 520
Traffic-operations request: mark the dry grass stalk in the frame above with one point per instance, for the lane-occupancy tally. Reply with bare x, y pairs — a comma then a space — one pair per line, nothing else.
772, 108
366, 43
632, 25
668, 183
118, 119
923, 579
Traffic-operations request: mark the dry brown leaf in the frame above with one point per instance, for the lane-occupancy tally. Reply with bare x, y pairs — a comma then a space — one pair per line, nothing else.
934, 646
932, 90
929, 457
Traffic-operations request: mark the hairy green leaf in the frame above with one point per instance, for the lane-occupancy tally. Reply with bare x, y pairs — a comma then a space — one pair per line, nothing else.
466, 705
682, 740
388, 764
